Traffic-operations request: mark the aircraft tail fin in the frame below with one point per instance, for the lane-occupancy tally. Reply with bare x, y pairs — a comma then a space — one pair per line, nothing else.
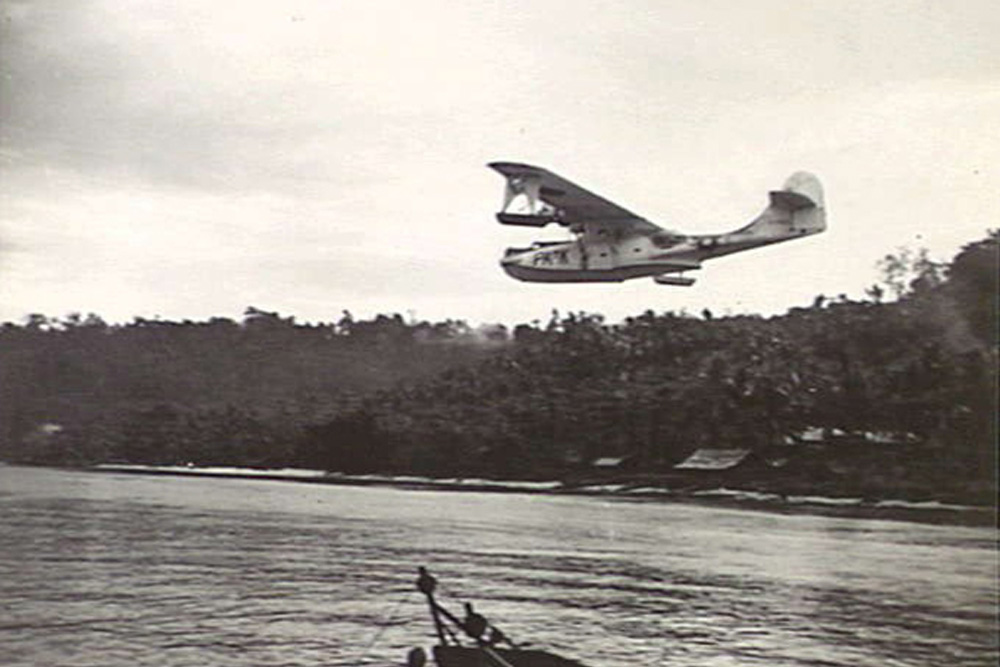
797, 209
801, 190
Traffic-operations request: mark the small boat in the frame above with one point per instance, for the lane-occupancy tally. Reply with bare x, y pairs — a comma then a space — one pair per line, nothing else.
473, 641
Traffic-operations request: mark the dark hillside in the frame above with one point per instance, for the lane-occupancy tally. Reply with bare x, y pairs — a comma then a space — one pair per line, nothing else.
219, 390
921, 370
904, 390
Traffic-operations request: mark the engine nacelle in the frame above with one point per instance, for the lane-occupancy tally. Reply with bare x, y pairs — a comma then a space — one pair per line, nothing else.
671, 279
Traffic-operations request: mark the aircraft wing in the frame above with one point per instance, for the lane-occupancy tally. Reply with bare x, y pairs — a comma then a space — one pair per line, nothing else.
570, 204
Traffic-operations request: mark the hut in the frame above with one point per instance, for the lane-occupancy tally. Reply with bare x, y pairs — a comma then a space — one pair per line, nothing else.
718, 460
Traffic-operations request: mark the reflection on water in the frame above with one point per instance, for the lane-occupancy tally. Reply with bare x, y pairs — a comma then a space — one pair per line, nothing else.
105, 570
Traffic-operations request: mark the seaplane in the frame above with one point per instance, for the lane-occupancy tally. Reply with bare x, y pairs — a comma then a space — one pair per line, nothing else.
612, 244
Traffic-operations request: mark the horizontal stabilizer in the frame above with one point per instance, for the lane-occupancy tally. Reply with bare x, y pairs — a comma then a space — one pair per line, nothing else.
790, 201
801, 190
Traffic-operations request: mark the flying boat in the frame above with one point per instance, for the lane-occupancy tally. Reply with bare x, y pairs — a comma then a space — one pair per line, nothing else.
611, 244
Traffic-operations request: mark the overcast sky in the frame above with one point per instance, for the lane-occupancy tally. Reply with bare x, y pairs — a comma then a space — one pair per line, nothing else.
188, 159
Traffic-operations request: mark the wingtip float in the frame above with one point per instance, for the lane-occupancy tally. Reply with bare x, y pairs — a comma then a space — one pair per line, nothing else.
612, 244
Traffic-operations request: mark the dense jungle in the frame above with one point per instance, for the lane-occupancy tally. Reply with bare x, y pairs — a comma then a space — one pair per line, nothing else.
915, 359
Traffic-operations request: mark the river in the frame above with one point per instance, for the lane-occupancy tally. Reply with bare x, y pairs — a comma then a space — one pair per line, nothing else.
102, 570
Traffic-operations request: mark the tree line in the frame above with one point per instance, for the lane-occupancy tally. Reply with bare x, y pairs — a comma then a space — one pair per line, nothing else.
78, 390
918, 356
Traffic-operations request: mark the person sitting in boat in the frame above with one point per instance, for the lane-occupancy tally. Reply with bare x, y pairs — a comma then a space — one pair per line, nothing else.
497, 637
475, 624
416, 658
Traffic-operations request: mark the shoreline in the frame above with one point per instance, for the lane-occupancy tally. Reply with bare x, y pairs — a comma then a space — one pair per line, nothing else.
923, 511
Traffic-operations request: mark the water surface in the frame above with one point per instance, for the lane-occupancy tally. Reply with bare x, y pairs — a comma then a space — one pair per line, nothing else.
108, 569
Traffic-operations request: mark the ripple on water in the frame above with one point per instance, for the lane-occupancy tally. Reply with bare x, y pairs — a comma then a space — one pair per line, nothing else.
100, 570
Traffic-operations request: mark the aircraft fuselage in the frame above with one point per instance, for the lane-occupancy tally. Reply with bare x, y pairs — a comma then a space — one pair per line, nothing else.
636, 257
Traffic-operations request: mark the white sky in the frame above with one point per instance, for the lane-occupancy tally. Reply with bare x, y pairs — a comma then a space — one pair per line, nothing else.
189, 159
